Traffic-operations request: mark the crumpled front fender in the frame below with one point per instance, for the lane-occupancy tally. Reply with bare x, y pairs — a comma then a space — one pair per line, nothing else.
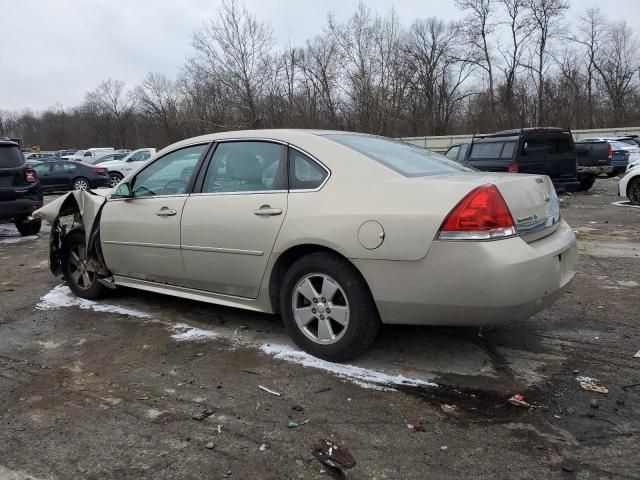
86, 207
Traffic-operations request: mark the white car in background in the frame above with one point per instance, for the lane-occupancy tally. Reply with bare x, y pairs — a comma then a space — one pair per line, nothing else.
89, 155
118, 169
629, 185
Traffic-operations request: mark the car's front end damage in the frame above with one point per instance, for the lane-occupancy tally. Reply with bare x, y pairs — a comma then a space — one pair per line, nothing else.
76, 211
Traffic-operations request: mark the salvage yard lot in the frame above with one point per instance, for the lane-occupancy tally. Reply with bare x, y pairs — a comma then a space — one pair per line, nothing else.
110, 389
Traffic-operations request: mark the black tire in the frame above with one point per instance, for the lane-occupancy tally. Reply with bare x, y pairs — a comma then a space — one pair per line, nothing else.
79, 182
586, 183
115, 178
93, 289
27, 226
633, 191
363, 321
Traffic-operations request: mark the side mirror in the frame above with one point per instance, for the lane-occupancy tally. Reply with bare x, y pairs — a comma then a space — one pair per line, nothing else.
123, 190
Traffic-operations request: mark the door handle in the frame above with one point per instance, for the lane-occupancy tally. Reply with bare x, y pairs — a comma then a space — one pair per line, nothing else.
166, 212
267, 211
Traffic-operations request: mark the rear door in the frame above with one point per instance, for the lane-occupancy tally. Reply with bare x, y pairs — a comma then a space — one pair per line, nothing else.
230, 227
548, 154
60, 175
43, 171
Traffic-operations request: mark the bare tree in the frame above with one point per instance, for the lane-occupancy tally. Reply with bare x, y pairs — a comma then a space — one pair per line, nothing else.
617, 63
479, 25
113, 105
590, 35
546, 16
234, 49
159, 99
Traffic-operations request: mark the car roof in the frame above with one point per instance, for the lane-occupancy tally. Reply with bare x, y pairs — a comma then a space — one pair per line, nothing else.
8, 143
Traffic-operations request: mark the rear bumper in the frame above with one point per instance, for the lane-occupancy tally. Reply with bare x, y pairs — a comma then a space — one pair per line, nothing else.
563, 186
594, 170
474, 283
22, 207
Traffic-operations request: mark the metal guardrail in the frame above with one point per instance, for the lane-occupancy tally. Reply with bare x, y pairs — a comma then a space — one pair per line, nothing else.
442, 143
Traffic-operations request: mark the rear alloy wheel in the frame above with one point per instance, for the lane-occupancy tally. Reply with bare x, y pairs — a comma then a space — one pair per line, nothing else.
327, 307
115, 178
633, 191
81, 183
28, 226
79, 271
586, 183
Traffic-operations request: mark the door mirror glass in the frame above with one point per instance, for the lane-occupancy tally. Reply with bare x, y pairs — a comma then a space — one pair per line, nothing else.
122, 191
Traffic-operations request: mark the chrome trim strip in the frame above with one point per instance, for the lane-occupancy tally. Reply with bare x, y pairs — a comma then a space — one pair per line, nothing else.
119, 199
253, 192
140, 244
255, 253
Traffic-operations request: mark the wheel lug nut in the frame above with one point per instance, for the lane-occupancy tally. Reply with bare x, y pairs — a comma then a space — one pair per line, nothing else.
328, 310
321, 317
315, 300
313, 310
324, 300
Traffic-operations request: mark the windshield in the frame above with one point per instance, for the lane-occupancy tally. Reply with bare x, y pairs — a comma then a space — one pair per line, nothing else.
404, 158
618, 145
79, 153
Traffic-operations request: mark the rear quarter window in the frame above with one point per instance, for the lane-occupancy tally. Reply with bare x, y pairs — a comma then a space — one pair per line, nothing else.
481, 151
10, 156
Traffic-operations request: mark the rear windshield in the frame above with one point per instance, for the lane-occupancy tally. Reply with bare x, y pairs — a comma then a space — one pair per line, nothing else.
492, 150
10, 156
404, 158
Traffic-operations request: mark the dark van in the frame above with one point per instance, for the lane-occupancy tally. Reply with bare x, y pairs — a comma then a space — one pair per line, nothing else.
541, 150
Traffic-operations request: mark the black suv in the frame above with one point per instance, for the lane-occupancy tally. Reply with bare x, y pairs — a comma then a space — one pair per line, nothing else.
20, 191
541, 150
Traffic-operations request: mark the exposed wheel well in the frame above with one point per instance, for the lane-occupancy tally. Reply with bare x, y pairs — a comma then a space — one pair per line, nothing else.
286, 259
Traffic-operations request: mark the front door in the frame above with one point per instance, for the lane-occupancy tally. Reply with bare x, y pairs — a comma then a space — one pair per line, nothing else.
141, 235
230, 227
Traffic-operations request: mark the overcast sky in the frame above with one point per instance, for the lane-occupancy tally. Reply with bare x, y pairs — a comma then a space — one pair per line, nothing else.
52, 52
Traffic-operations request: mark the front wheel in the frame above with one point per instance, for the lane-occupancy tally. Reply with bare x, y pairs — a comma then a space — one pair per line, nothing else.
28, 226
114, 178
633, 191
327, 307
78, 270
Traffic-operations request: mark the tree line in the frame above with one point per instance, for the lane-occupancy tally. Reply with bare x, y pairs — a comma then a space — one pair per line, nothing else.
506, 64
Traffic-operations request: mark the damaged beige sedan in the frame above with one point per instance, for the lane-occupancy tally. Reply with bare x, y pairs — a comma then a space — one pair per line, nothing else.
338, 232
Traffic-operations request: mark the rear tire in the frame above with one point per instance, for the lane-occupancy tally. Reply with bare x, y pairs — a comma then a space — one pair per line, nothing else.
28, 227
115, 178
586, 184
336, 335
81, 183
633, 191
79, 274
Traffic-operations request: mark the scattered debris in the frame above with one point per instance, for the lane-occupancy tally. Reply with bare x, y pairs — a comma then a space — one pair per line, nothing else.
219, 429
263, 447
568, 467
591, 384
519, 401
227, 475
210, 445
627, 387
417, 426
336, 458
322, 390
448, 408
637, 355
594, 403
297, 408
251, 372
444, 448
202, 415
292, 424
272, 392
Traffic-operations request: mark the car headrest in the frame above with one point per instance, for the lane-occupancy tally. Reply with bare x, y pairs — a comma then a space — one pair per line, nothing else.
245, 168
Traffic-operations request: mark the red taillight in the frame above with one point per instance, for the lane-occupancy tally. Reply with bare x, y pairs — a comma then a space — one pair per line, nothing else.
481, 215
610, 152
99, 170
30, 176
513, 167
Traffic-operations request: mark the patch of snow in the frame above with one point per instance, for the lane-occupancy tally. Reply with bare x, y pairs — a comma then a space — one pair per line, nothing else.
625, 203
61, 296
17, 239
184, 332
583, 379
363, 377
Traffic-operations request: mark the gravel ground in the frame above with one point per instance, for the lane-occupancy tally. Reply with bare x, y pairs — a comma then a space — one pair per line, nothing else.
109, 389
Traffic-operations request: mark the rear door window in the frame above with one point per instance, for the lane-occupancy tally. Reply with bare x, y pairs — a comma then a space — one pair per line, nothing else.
10, 156
452, 153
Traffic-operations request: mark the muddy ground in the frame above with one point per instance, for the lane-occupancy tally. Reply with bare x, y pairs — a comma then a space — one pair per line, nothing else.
108, 390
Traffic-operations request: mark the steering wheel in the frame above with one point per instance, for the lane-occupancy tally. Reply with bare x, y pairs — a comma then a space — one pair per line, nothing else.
176, 186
